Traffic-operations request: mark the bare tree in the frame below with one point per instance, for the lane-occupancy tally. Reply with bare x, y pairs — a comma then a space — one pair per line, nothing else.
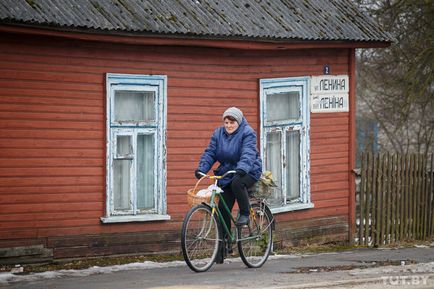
396, 84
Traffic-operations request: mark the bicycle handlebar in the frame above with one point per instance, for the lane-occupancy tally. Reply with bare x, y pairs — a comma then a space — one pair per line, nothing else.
217, 177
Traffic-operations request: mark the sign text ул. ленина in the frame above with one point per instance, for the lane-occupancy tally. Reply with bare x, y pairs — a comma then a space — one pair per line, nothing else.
329, 93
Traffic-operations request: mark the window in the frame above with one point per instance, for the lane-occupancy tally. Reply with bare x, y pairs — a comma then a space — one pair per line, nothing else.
136, 120
285, 141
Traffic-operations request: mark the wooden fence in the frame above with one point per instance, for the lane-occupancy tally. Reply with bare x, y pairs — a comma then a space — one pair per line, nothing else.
395, 200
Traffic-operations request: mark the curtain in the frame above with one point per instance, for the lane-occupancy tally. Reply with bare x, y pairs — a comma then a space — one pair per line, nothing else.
273, 163
134, 106
283, 106
293, 165
122, 174
145, 172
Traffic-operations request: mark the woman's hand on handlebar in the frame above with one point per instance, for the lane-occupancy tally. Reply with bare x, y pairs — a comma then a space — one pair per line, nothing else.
198, 174
227, 173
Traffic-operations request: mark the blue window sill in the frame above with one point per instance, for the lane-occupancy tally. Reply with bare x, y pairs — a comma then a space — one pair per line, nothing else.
291, 207
140, 218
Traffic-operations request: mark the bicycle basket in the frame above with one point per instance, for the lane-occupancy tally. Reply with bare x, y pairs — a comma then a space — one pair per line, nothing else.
265, 187
194, 200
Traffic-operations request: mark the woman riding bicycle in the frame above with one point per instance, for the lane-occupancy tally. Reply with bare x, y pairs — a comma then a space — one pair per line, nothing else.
233, 145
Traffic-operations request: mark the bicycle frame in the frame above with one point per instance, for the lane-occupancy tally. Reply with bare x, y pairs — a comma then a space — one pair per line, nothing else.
215, 209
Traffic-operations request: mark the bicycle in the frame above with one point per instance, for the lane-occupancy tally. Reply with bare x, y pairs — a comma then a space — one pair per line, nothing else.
202, 232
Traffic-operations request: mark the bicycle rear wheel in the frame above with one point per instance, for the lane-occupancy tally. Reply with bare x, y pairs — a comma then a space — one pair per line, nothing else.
255, 239
200, 238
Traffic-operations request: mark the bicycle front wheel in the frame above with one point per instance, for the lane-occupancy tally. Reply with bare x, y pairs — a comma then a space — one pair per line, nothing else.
255, 239
200, 238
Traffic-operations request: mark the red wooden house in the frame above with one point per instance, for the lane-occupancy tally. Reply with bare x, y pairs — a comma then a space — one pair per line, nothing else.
106, 107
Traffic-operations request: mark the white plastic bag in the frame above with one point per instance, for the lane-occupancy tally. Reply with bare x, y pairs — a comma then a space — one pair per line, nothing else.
203, 193
208, 191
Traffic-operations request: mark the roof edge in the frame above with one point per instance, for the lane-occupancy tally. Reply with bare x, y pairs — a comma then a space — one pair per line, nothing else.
188, 40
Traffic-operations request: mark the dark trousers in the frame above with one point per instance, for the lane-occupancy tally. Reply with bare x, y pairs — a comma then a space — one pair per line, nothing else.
237, 189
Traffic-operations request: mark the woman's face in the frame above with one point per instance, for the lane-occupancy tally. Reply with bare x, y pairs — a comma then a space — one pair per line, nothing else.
230, 125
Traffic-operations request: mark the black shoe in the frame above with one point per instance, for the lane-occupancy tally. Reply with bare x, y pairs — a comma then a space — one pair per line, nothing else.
229, 249
242, 220
219, 259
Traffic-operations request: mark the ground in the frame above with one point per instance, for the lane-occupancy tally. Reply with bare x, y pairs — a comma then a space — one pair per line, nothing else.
85, 263
410, 266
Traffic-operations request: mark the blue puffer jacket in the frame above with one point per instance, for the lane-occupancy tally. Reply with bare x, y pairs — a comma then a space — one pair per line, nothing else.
233, 151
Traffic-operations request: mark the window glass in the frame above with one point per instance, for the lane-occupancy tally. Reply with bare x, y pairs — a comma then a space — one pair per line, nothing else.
121, 185
123, 146
145, 172
283, 106
134, 106
273, 160
293, 165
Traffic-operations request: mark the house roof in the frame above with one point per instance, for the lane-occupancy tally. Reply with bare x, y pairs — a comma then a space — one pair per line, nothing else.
269, 20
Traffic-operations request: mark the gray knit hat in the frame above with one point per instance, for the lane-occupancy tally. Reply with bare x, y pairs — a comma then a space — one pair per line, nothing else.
235, 113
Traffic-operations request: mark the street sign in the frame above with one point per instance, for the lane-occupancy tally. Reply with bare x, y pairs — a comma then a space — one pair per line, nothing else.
329, 93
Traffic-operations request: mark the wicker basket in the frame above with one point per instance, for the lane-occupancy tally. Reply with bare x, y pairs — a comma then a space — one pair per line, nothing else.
193, 199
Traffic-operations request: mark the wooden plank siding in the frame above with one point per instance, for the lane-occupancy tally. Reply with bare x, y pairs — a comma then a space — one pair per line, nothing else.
52, 134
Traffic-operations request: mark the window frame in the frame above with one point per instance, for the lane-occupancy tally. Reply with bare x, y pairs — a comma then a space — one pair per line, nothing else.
145, 83
280, 85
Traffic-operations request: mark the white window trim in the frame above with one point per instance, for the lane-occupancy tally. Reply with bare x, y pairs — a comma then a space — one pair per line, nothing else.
280, 84
158, 83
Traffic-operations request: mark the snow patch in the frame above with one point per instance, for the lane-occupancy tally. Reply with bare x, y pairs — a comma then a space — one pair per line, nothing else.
6, 278
409, 269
